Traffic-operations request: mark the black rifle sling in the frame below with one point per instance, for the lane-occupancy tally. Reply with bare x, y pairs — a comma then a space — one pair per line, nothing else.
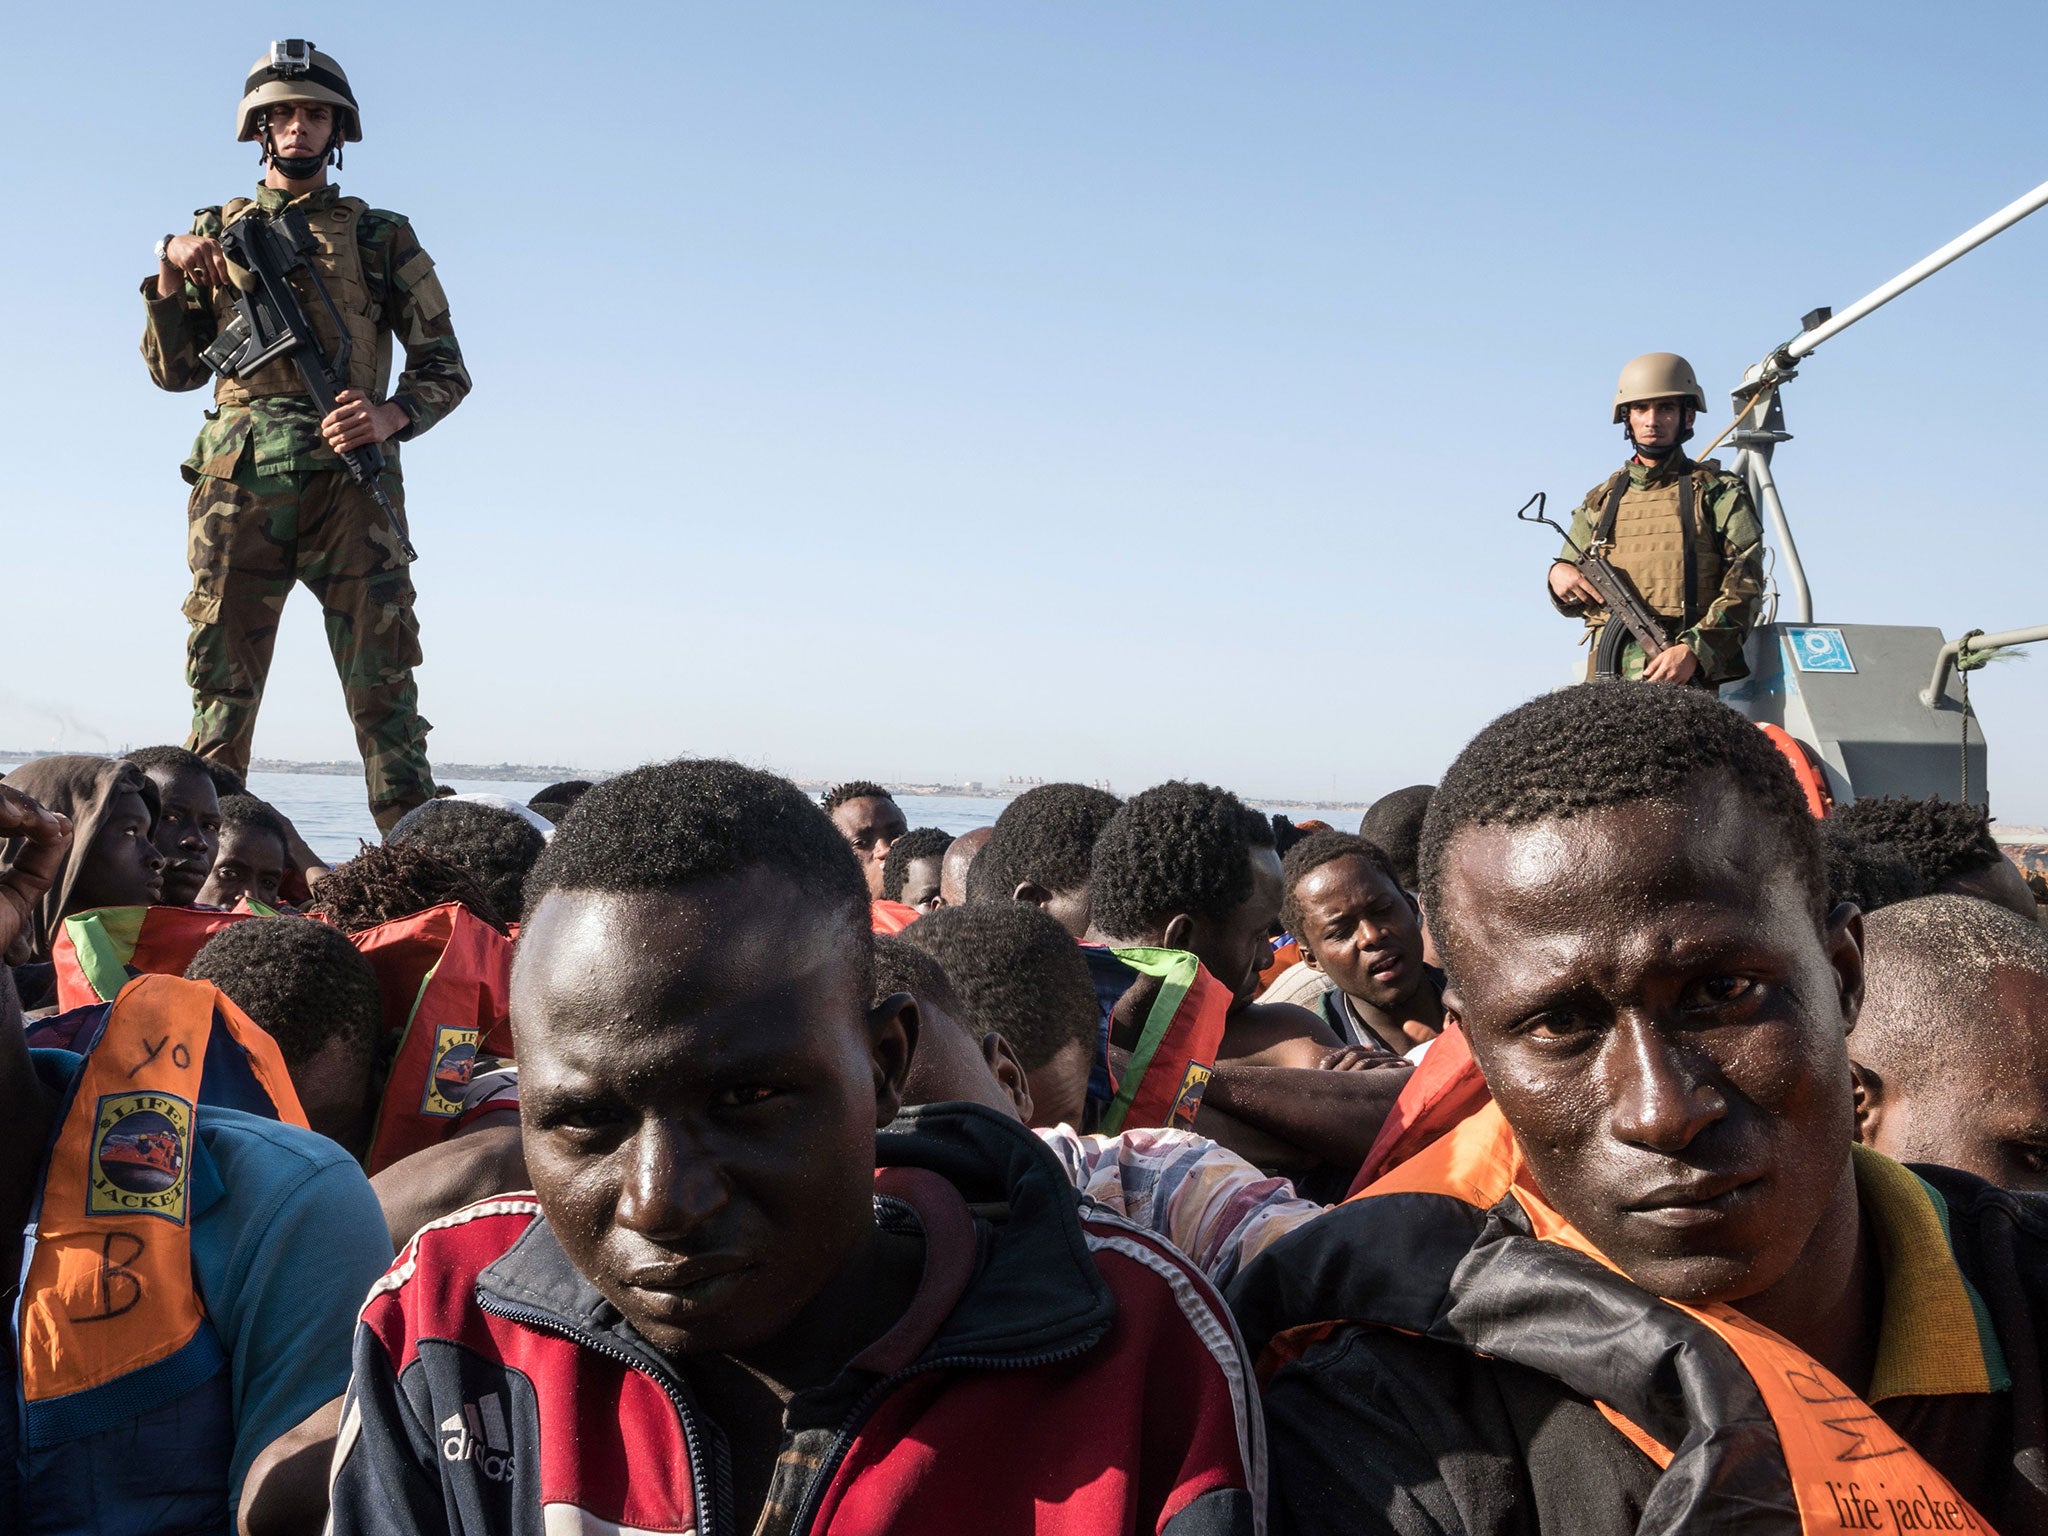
1616, 489
1692, 552
1613, 634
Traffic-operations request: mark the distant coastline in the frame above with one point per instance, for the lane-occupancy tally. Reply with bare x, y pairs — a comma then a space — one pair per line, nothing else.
549, 773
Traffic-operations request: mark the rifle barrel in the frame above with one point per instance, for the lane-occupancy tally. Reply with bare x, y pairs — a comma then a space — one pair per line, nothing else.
1919, 272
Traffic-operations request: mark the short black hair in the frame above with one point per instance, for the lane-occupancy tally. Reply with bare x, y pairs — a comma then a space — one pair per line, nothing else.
394, 880
494, 845
302, 981
1017, 972
854, 789
225, 780
1942, 839
554, 801
176, 759
1046, 836
1312, 853
1286, 834
1610, 743
1930, 1001
246, 812
671, 825
1394, 823
901, 966
1865, 871
561, 792
1176, 847
921, 843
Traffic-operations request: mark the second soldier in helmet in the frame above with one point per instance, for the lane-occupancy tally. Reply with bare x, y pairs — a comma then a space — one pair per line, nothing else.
1684, 534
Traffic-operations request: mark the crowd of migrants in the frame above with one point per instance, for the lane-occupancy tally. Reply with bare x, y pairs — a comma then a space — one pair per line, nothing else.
678, 1153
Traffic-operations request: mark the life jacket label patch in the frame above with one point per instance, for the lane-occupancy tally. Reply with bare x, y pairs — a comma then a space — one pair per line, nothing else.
448, 1077
1193, 1083
141, 1146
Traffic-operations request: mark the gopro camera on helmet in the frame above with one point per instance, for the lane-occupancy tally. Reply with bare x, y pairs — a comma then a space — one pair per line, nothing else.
292, 56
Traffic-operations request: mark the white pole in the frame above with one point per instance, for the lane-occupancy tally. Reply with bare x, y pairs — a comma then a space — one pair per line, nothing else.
1758, 469
1964, 243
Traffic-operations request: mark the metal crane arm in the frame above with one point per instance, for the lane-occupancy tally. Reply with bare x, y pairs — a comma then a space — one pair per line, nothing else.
1945, 658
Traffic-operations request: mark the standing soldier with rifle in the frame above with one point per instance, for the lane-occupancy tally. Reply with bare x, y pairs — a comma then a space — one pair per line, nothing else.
289, 301
1682, 536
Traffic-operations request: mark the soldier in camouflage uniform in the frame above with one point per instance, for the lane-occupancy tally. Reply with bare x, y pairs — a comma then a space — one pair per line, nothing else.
271, 504
1684, 534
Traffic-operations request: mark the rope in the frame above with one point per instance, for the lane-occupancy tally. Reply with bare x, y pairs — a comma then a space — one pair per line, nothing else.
1761, 397
1965, 665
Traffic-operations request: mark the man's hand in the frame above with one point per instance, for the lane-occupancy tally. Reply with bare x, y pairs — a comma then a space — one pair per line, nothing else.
1356, 1058
1569, 585
354, 421
197, 257
300, 855
1674, 664
46, 837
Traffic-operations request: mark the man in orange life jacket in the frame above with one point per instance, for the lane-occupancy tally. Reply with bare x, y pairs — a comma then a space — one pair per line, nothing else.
1652, 1285
195, 1269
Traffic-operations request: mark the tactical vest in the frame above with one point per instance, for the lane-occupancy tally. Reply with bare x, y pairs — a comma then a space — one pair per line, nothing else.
340, 261
1662, 536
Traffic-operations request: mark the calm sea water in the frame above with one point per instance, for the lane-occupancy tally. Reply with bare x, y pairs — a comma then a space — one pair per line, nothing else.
329, 811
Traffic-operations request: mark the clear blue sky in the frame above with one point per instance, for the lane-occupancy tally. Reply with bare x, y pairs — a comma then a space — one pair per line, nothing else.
1084, 391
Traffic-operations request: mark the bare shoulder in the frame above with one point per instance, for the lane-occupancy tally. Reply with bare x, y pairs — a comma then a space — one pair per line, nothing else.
1276, 1035
484, 1161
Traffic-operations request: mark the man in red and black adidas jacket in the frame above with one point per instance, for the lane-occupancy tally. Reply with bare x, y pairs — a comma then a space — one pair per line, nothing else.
730, 1305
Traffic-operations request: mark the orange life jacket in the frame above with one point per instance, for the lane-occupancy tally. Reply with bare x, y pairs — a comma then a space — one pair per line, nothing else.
108, 1288
886, 916
1439, 1093
97, 952
1828, 1436
1175, 1053
445, 976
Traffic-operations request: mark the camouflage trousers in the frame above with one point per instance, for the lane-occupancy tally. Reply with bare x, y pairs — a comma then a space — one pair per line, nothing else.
249, 540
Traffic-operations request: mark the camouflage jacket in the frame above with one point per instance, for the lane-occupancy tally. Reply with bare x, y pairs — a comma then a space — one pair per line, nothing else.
1717, 638
283, 433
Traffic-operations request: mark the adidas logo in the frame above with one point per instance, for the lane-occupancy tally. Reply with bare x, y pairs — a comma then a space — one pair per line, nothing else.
478, 1433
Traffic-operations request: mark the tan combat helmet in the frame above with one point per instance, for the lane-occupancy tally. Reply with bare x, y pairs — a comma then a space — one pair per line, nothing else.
294, 70
1656, 376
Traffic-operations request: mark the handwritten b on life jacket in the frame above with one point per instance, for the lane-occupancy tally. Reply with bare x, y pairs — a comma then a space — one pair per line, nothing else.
115, 1274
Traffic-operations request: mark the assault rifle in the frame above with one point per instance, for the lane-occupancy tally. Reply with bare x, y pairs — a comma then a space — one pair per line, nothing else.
270, 323
1627, 612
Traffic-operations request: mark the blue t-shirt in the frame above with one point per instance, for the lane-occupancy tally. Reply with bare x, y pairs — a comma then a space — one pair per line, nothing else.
287, 1240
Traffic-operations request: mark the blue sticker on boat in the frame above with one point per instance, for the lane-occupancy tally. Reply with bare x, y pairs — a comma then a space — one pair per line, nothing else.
1819, 650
